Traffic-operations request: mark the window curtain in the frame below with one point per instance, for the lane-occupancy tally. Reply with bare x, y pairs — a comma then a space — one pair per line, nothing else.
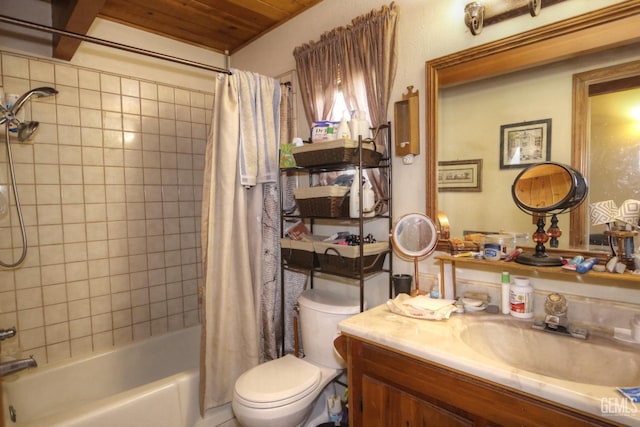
360, 60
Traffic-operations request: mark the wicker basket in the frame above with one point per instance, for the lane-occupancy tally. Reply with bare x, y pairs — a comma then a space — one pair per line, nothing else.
328, 201
298, 253
337, 152
345, 260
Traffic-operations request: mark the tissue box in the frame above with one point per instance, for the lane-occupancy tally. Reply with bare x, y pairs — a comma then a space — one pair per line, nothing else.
338, 151
328, 201
345, 260
286, 156
298, 253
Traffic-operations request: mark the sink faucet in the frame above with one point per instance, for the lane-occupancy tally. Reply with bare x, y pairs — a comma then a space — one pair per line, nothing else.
556, 320
13, 366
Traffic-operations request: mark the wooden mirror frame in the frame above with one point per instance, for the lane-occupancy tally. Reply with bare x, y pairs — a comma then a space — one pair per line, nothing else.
614, 26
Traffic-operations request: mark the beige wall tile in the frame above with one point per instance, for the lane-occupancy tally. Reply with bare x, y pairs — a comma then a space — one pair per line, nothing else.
108, 191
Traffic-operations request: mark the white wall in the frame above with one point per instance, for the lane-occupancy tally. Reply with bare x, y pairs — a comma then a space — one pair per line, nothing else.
427, 29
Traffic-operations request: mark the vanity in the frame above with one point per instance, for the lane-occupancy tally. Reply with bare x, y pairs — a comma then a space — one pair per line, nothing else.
464, 371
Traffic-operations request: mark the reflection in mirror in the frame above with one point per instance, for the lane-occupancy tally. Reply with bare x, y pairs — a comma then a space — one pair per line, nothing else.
606, 143
414, 236
517, 79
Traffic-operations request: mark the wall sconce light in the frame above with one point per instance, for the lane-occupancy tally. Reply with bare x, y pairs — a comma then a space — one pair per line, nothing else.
474, 17
479, 14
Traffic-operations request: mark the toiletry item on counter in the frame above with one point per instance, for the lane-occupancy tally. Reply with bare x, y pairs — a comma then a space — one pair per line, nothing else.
514, 254
586, 265
492, 251
504, 293
521, 298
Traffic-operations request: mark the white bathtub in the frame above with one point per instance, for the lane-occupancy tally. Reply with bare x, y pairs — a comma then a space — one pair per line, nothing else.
153, 383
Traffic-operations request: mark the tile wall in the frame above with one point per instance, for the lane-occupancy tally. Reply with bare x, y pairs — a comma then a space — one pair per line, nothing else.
110, 188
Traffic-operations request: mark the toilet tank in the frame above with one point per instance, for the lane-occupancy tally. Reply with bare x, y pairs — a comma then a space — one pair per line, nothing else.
320, 313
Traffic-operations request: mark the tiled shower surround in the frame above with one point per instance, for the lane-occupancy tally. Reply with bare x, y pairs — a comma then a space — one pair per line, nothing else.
110, 188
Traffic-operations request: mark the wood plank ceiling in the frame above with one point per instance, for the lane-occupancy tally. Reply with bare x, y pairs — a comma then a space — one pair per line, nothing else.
219, 25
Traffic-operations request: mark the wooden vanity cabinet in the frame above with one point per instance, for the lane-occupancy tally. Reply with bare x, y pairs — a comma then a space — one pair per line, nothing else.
388, 388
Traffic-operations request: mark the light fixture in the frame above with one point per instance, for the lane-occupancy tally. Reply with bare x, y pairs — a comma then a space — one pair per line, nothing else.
479, 14
474, 17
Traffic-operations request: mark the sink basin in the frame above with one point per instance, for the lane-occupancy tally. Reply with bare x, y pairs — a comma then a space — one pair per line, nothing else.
596, 361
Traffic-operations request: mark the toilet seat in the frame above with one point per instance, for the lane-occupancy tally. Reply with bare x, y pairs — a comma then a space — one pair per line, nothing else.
277, 383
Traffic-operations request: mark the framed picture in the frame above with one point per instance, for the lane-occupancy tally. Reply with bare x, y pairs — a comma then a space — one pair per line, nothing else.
523, 144
460, 175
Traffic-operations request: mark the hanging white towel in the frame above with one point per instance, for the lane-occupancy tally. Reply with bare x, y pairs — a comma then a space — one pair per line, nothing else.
259, 103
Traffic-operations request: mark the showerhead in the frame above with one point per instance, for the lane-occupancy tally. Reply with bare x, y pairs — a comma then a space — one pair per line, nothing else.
39, 92
26, 129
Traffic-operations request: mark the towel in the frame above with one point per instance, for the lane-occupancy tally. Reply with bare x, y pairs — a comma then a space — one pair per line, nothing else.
259, 106
421, 307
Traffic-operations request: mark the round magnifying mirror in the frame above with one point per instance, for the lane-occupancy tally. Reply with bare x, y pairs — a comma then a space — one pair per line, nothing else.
414, 236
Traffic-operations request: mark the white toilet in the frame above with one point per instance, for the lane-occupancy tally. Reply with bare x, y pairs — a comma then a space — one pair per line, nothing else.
282, 392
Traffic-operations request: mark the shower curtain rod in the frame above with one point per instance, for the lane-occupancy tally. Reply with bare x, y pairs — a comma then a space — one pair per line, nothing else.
39, 27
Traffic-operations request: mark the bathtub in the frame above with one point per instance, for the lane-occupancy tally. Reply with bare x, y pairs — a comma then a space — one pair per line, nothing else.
152, 383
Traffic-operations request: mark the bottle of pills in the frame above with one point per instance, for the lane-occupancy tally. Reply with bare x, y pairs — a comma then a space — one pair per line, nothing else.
521, 298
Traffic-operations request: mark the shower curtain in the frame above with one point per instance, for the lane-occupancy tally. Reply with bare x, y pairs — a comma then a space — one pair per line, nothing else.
241, 169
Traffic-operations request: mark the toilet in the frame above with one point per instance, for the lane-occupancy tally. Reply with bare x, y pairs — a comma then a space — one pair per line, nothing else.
282, 392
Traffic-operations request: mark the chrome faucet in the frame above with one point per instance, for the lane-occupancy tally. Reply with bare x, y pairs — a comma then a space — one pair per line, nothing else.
556, 320
13, 366
7, 333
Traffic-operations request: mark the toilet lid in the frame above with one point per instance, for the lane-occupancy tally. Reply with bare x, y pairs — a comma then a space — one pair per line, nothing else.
277, 382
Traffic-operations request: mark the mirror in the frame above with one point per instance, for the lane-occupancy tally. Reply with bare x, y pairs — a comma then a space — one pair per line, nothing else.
502, 62
542, 189
414, 236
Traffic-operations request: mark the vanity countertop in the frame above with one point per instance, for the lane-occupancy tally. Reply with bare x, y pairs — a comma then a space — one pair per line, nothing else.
440, 342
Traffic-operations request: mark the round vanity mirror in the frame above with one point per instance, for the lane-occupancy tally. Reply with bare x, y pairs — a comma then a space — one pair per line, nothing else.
542, 189
414, 236
549, 187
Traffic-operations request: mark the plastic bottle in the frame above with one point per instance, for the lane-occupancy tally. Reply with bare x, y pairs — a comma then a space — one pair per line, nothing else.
521, 298
354, 195
343, 129
504, 294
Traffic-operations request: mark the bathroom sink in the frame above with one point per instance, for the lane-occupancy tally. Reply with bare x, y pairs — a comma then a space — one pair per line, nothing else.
596, 361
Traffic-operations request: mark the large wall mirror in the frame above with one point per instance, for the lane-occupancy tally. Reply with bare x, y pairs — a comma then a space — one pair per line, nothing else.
525, 81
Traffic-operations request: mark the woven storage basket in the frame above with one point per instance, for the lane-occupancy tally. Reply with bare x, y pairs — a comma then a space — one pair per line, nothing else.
328, 201
345, 260
298, 253
337, 152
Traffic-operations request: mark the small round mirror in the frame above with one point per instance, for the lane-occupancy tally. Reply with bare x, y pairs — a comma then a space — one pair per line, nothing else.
414, 236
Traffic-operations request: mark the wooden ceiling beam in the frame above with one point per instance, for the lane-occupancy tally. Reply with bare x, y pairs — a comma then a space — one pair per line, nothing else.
75, 16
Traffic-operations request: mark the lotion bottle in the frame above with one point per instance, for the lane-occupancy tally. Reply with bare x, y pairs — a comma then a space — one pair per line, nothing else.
354, 195
505, 305
343, 129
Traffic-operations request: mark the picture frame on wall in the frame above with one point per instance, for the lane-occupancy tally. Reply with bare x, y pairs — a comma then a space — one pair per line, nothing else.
460, 175
524, 144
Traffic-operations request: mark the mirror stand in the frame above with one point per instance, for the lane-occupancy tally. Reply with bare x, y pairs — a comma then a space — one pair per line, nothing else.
540, 258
